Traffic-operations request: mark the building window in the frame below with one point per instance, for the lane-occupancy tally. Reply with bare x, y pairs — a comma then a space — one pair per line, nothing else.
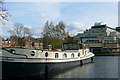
9, 42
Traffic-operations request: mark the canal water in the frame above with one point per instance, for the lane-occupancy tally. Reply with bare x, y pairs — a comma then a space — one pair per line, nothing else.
103, 67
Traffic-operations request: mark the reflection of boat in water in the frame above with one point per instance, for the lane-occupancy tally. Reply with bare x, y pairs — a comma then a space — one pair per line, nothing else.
18, 62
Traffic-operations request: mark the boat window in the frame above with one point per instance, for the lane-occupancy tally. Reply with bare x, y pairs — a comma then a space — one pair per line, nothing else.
46, 54
78, 54
56, 55
72, 55
70, 46
32, 53
12, 51
85, 52
65, 55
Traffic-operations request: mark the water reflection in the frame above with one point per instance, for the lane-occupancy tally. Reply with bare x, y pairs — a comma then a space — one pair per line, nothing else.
103, 67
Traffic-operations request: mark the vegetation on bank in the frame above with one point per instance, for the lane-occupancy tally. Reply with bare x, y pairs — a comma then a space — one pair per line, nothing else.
54, 34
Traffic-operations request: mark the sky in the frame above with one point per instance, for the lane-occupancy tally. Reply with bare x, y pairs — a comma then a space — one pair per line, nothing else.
78, 16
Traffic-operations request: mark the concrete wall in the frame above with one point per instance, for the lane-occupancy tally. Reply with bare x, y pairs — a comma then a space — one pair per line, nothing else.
112, 45
94, 45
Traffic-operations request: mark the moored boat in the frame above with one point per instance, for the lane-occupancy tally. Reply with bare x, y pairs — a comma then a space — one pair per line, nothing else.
17, 62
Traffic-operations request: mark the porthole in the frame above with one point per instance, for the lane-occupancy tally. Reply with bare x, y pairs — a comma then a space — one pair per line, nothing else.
46, 54
32, 53
72, 55
65, 55
78, 54
56, 55
12, 51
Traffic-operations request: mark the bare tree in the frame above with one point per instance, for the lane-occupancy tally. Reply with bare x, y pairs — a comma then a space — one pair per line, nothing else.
4, 16
20, 32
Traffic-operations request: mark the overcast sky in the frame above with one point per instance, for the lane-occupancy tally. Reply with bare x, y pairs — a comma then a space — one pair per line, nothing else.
78, 16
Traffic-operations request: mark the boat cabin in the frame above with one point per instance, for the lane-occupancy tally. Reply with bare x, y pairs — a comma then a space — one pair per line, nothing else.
72, 46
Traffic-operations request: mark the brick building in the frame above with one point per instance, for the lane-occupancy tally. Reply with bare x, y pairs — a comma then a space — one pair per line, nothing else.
11, 42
